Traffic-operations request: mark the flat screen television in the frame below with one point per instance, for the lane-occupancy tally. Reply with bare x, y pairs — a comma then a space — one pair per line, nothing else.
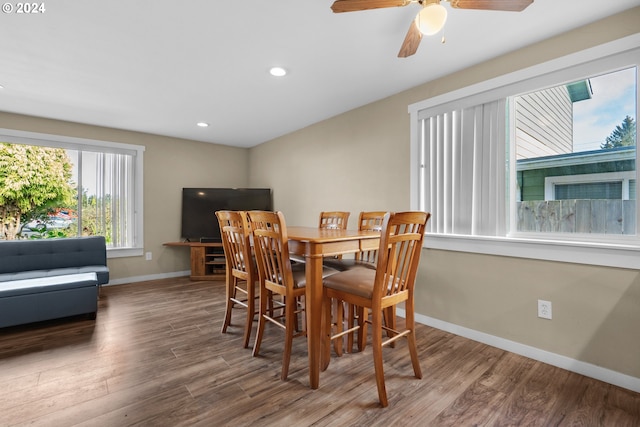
199, 205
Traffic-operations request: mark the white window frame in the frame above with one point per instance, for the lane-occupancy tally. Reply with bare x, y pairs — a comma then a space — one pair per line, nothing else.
550, 182
624, 252
72, 143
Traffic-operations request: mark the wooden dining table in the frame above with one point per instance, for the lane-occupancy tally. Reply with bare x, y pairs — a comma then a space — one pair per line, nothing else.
314, 244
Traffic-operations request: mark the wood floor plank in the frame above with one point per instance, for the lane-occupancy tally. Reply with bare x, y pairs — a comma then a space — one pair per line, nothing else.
52, 398
155, 357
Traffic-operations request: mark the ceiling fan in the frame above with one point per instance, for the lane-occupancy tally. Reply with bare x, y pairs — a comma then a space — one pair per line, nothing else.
431, 17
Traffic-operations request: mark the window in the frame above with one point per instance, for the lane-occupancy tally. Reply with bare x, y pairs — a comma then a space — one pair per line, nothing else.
575, 153
106, 182
504, 170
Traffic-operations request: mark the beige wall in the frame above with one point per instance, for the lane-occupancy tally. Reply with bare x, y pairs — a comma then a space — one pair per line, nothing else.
169, 165
359, 161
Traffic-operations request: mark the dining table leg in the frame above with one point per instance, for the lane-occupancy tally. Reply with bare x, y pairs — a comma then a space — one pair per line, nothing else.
313, 309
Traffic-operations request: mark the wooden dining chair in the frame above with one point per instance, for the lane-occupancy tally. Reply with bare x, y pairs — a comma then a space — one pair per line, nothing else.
391, 283
367, 221
241, 274
277, 276
335, 220
330, 220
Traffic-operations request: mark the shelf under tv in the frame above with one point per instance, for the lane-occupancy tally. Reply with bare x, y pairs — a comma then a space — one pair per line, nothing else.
207, 260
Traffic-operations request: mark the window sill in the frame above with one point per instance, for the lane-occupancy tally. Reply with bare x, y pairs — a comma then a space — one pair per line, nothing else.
607, 255
124, 252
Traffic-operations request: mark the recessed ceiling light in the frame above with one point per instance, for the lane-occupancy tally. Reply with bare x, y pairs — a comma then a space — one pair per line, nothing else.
278, 71
203, 124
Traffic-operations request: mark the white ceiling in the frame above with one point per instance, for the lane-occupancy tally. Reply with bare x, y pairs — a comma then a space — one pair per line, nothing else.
160, 66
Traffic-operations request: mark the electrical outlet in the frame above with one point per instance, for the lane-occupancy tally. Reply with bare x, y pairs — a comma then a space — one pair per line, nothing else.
544, 309
148, 256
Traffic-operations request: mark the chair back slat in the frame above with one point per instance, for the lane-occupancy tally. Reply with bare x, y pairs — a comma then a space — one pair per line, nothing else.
399, 253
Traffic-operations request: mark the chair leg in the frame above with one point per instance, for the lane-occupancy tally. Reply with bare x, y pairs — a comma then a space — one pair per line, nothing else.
230, 292
290, 322
351, 317
271, 305
362, 332
264, 297
325, 355
251, 311
411, 340
390, 321
376, 328
413, 351
339, 319
296, 321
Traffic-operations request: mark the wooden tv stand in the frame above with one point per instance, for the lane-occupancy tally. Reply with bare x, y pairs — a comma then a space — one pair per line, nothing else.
207, 260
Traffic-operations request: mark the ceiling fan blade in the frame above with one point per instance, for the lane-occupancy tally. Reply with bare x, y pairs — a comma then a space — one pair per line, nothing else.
355, 5
508, 5
411, 41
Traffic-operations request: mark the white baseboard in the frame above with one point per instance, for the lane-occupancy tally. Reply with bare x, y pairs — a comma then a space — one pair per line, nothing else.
577, 366
148, 277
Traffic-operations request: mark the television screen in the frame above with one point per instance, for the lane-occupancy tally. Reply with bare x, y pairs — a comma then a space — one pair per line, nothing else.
199, 205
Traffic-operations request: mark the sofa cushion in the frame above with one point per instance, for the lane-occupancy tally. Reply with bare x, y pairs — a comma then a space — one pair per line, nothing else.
101, 271
47, 284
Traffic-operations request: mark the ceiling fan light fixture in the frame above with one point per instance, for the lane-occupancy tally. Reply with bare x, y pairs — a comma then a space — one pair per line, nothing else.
431, 18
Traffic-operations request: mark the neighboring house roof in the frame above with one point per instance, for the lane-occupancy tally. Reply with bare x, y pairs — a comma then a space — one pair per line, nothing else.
579, 158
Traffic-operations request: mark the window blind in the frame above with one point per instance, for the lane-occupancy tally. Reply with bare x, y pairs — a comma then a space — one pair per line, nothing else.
463, 170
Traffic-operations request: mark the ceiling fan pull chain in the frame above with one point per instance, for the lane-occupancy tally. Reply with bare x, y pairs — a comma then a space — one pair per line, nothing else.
443, 39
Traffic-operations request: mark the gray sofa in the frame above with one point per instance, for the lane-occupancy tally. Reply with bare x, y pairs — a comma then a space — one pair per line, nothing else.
50, 278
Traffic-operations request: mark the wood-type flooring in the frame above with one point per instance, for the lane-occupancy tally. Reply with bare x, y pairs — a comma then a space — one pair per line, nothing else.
155, 357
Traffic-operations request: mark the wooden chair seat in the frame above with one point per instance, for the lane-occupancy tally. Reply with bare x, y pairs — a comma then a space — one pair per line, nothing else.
299, 274
357, 281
